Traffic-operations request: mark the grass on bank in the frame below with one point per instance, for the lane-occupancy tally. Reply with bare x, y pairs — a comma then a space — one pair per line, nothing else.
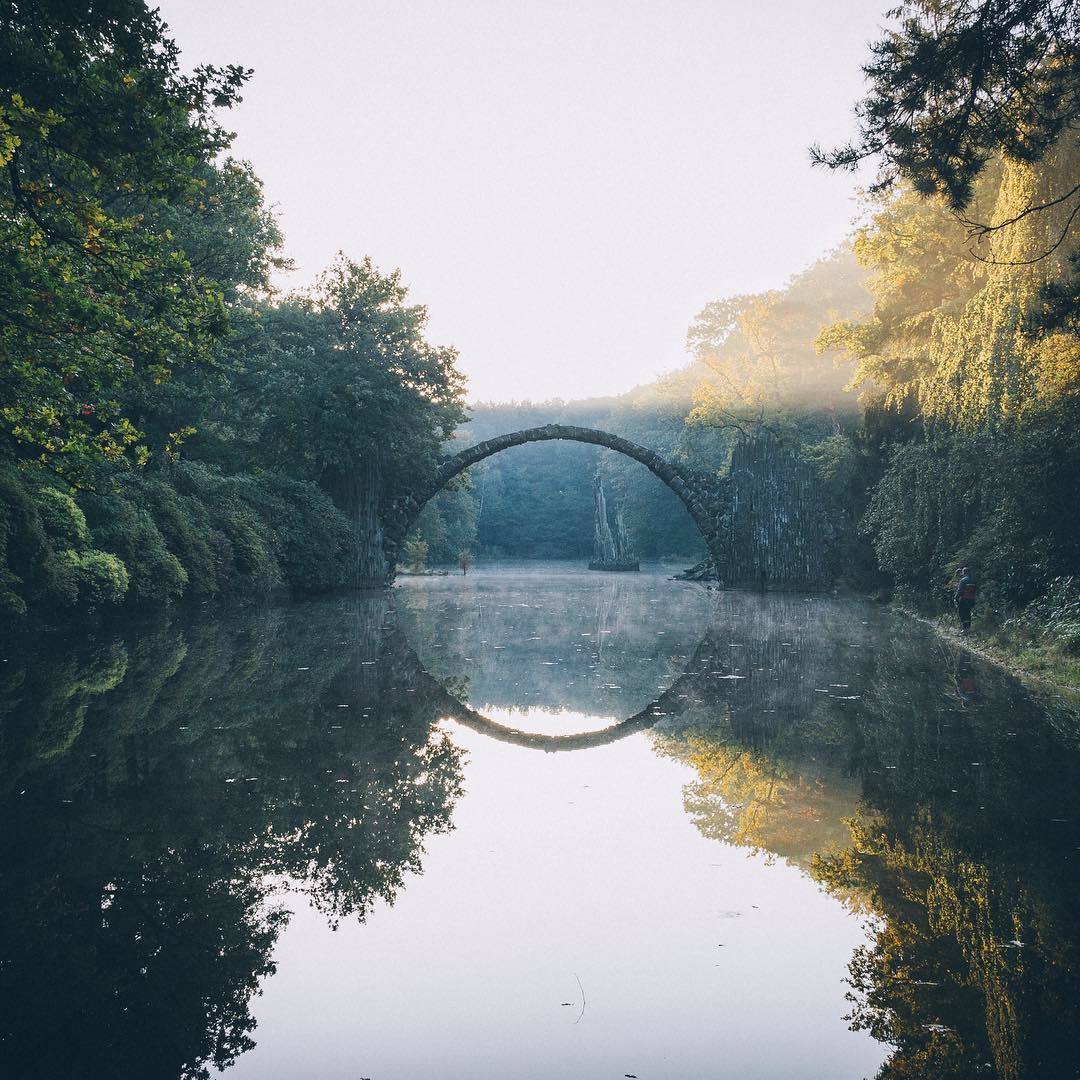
1042, 640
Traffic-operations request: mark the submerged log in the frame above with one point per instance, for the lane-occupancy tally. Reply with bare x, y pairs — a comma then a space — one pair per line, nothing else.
701, 571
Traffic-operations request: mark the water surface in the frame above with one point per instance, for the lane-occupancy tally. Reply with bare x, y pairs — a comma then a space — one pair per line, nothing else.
534, 822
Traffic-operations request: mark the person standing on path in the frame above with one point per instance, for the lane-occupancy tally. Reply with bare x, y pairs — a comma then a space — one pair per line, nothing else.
965, 598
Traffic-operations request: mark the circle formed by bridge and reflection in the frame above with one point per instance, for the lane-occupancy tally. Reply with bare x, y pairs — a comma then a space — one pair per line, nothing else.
687, 691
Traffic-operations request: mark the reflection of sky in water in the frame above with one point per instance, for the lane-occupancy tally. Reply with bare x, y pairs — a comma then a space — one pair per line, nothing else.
696, 959
544, 721
575, 923
600, 643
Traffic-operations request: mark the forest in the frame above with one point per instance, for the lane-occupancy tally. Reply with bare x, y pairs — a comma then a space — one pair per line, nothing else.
172, 428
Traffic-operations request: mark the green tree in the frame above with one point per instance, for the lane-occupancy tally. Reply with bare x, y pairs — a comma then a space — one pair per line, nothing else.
955, 83
102, 143
415, 553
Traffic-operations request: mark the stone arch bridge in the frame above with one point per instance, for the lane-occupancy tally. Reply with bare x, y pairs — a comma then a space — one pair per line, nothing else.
763, 523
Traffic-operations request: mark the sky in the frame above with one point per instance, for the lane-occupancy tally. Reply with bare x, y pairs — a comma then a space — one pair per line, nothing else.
563, 184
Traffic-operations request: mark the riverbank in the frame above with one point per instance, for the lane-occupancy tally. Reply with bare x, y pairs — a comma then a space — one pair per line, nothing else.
1044, 665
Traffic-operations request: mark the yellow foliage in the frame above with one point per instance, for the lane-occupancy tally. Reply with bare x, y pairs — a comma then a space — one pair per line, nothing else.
759, 350
952, 327
752, 799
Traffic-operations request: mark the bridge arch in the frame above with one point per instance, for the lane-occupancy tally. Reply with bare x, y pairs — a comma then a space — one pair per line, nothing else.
693, 489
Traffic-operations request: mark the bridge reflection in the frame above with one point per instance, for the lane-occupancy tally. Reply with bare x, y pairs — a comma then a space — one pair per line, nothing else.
691, 689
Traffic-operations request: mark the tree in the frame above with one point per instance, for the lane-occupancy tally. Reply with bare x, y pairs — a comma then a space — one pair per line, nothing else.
758, 351
919, 269
341, 381
957, 83
103, 143
415, 553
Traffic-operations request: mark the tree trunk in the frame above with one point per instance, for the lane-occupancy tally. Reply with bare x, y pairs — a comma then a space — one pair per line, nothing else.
358, 492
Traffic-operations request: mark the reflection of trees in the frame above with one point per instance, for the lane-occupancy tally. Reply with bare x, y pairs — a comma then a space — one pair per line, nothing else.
145, 856
119, 964
961, 794
756, 800
770, 764
157, 788
973, 865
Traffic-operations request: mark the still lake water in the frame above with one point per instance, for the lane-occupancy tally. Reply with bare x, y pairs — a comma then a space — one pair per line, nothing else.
533, 823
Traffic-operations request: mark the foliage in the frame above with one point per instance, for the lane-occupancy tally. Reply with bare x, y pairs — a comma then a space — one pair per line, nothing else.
448, 524
98, 577
156, 576
954, 84
311, 535
190, 531
61, 518
138, 317
954, 331
1044, 635
103, 142
848, 469
47, 553
26, 562
980, 372
344, 376
415, 553
759, 350
1001, 506
920, 269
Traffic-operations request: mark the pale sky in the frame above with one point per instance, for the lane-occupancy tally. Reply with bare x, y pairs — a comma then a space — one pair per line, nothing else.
563, 184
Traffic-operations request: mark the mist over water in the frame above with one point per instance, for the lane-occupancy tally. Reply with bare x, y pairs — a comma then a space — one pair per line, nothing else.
530, 822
